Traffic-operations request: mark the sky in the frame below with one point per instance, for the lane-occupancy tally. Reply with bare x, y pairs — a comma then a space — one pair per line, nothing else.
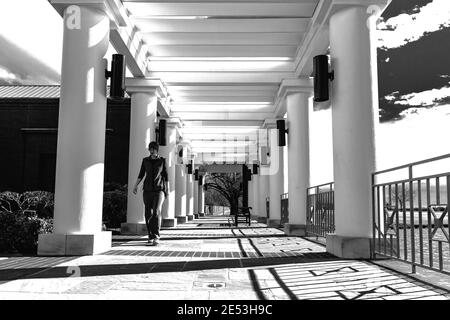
413, 62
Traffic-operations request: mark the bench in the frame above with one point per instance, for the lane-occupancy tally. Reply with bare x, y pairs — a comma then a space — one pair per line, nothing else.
243, 215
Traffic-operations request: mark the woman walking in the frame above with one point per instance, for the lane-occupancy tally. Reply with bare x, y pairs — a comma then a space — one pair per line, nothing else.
155, 190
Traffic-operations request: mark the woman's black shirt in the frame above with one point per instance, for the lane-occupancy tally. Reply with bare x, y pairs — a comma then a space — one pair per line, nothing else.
155, 174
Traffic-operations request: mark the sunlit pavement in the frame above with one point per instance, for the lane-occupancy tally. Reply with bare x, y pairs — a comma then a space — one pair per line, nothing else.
206, 259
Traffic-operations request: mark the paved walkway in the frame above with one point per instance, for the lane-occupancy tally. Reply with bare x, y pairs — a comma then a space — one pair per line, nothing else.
206, 260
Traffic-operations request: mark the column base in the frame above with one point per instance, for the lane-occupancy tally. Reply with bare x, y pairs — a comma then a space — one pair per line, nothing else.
52, 244
348, 247
274, 223
190, 217
181, 220
168, 223
133, 228
295, 229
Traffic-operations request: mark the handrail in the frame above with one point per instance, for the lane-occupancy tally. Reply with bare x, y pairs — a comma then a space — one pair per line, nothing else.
407, 232
320, 185
413, 164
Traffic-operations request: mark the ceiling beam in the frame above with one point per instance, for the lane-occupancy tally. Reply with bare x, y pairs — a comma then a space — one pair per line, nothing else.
222, 8
241, 65
295, 25
221, 78
188, 116
223, 38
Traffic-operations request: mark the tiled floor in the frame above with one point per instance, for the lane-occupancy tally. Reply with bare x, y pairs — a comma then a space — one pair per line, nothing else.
207, 263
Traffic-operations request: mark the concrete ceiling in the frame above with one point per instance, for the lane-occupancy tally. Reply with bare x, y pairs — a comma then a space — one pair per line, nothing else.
222, 62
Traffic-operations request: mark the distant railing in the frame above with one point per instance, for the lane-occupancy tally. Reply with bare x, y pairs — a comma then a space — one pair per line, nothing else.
284, 208
410, 215
217, 210
320, 210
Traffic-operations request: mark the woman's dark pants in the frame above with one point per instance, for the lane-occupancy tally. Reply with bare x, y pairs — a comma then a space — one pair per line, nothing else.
153, 201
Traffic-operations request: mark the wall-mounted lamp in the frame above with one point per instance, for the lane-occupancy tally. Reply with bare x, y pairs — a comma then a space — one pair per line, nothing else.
321, 78
189, 167
282, 131
161, 132
117, 75
196, 174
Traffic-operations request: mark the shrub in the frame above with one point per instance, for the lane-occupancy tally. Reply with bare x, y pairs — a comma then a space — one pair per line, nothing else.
41, 202
114, 208
113, 186
24, 216
19, 230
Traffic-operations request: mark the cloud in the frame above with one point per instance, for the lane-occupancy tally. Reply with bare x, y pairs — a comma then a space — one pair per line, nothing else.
404, 28
6, 75
421, 99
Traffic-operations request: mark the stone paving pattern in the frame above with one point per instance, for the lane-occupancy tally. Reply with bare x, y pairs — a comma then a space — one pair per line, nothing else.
205, 263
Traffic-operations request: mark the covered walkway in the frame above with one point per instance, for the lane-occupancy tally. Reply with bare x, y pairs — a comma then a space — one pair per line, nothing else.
201, 260
227, 86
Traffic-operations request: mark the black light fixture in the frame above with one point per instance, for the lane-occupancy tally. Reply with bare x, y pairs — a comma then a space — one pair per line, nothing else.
196, 174
161, 132
200, 180
249, 174
281, 126
189, 167
321, 78
255, 168
117, 75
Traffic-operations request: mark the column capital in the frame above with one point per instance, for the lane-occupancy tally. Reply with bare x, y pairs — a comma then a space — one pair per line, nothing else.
113, 8
291, 86
150, 85
174, 122
373, 7
271, 123
381, 3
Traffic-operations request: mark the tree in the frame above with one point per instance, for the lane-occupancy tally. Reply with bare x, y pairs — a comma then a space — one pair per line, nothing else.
228, 185
398, 196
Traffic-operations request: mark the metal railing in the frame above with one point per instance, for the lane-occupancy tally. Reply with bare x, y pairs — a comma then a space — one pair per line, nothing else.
284, 208
410, 216
217, 210
320, 210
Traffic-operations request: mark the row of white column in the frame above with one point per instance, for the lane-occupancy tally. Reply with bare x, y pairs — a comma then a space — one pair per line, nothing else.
185, 196
81, 141
81, 145
354, 120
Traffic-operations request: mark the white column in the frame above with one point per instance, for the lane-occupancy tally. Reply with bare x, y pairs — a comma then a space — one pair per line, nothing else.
276, 179
169, 152
354, 114
264, 192
250, 194
81, 139
189, 196
298, 109
255, 195
142, 132
256, 209
201, 198
195, 188
180, 193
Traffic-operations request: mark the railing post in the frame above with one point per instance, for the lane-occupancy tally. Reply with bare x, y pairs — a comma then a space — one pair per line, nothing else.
372, 251
411, 213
